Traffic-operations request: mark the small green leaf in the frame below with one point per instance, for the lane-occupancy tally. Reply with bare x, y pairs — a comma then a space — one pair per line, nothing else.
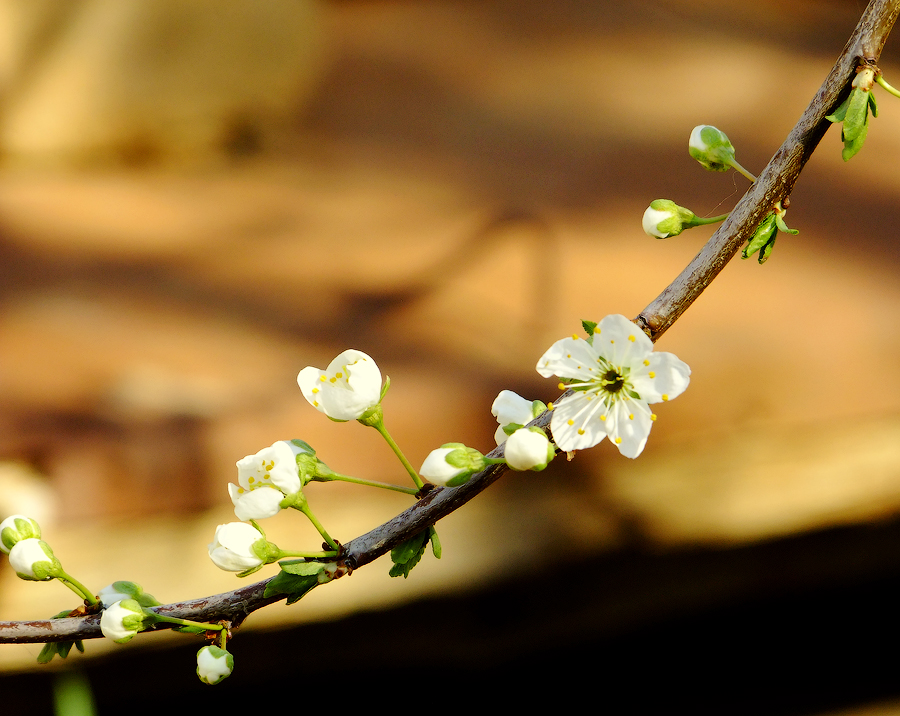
589, 327
435, 542
761, 236
857, 114
294, 586
58, 648
840, 112
406, 555
301, 567
852, 147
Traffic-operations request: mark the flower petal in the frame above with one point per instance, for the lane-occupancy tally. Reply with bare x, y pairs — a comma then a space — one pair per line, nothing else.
569, 358
274, 465
255, 504
577, 422
346, 389
662, 378
628, 425
621, 342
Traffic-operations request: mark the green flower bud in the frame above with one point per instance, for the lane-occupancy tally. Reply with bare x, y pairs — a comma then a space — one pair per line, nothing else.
122, 620
664, 218
452, 464
711, 148
15, 528
34, 560
214, 664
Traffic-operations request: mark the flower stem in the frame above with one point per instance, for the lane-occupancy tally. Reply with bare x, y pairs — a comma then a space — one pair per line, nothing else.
738, 168
368, 483
699, 221
308, 555
379, 426
185, 622
883, 82
77, 587
304, 508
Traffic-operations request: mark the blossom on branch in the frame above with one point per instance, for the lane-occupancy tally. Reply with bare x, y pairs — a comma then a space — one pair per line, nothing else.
266, 478
615, 376
345, 390
214, 664
452, 464
236, 547
15, 528
528, 449
511, 409
121, 621
33, 560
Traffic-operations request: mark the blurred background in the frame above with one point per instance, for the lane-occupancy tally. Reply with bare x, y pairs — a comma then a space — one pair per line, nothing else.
199, 199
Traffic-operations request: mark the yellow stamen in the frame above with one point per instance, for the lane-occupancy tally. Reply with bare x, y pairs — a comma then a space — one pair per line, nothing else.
631, 416
571, 422
646, 362
651, 374
618, 441
665, 397
631, 338
580, 431
652, 416
561, 386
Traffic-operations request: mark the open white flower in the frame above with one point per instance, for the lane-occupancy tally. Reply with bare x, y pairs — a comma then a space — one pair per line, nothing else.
528, 449
265, 479
232, 549
615, 376
346, 389
214, 664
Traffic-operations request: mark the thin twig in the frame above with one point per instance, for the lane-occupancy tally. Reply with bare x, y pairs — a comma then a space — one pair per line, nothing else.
774, 184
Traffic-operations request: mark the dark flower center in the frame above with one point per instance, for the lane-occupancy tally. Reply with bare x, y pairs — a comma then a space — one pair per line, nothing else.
612, 381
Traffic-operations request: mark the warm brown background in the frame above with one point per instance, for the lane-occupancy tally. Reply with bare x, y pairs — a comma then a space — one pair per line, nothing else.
196, 203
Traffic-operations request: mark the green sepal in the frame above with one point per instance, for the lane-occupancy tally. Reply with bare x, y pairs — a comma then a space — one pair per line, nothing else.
589, 327
406, 555
510, 428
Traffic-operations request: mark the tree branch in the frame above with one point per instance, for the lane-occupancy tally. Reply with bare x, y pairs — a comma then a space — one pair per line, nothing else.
774, 185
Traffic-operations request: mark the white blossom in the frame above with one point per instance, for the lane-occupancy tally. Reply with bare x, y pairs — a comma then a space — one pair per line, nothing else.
214, 664
510, 407
265, 479
528, 449
121, 621
33, 559
232, 547
615, 376
16, 528
346, 389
